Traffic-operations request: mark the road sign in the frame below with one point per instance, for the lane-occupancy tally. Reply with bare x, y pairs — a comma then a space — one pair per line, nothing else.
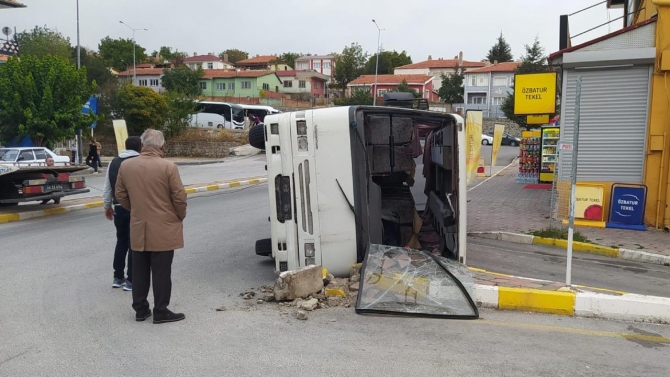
537, 119
535, 93
566, 146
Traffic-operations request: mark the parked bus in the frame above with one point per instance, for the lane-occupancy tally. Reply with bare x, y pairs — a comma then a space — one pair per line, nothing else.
218, 115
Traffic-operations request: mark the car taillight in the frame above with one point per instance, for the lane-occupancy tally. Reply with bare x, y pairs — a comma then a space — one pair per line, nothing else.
78, 185
33, 189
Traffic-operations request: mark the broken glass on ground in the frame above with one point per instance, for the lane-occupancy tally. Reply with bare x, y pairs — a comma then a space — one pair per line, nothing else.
402, 281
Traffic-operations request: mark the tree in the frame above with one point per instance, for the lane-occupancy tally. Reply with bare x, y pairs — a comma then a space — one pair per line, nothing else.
42, 41
358, 97
452, 91
118, 53
288, 58
349, 65
404, 87
533, 61
234, 55
500, 52
183, 80
166, 54
141, 107
179, 111
43, 98
388, 61
96, 70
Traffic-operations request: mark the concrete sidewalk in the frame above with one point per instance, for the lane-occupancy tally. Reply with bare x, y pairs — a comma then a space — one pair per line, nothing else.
508, 292
502, 206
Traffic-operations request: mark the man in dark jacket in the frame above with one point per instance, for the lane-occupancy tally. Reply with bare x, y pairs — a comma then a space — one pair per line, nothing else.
121, 216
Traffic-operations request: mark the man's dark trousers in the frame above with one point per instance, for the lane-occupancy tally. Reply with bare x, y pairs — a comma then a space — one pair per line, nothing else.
122, 224
152, 267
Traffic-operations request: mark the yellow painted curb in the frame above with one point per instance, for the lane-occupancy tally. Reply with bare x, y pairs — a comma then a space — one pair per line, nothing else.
55, 211
94, 205
190, 191
9, 217
535, 300
579, 246
212, 187
234, 184
481, 270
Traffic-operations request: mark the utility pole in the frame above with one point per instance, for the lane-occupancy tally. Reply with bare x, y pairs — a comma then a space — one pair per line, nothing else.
78, 43
379, 35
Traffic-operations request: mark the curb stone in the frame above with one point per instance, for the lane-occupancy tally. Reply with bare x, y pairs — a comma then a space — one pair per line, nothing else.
612, 252
11, 217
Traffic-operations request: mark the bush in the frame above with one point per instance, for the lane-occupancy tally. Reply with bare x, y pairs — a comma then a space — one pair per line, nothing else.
560, 234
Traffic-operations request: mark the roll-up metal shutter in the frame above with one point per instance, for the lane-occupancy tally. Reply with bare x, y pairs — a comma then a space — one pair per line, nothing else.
613, 123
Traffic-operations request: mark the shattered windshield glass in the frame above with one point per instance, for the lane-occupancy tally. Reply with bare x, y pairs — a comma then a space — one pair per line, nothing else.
402, 281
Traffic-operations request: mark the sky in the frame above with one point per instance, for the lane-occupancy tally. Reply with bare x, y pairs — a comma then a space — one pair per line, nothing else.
441, 28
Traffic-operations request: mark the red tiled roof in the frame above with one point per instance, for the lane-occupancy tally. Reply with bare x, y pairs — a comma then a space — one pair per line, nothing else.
202, 58
500, 67
391, 79
144, 65
228, 73
258, 60
143, 71
442, 63
600, 39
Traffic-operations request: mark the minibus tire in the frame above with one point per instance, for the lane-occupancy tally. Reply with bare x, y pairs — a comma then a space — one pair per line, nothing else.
257, 137
264, 247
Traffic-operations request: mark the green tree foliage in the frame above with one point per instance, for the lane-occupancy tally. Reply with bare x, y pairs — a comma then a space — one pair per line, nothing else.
118, 53
142, 108
452, 90
180, 109
388, 61
96, 69
358, 97
500, 52
349, 65
288, 58
183, 80
234, 55
43, 98
533, 61
167, 54
42, 41
404, 87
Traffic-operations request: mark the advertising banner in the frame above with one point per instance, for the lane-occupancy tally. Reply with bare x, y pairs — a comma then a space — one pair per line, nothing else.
498, 131
121, 132
535, 93
589, 202
473, 142
628, 205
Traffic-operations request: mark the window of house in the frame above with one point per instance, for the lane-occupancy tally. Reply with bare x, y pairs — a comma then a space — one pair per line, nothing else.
192, 66
302, 65
302, 84
498, 100
142, 82
246, 84
501, 81
472, 80
210, 65
317, 66
381, 92
477, 100
288, 84
203, 85
326, 65
220, 86
154, 82
266, 86
315, 85
482, 80
231, 86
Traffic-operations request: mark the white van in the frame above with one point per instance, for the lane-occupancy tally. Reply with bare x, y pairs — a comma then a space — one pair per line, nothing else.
340, 179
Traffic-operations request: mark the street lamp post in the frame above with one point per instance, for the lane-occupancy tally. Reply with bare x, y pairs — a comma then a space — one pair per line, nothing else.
78, 44
374, 93
134, 65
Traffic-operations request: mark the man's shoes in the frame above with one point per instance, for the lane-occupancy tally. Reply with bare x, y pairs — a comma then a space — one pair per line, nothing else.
118, 283
128, 286
140, 317
169, 317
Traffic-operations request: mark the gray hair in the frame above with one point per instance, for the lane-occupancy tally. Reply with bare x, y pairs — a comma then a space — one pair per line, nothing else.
153, 138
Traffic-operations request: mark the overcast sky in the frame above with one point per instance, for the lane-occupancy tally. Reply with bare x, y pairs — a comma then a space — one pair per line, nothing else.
440, 28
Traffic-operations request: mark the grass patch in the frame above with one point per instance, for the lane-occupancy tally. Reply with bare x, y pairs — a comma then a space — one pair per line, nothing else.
561, 234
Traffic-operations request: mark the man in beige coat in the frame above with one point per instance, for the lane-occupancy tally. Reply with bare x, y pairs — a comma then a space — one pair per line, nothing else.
150, 188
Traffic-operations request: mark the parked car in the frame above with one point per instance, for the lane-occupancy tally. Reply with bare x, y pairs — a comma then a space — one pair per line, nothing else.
28, 156
486, 139
507, 139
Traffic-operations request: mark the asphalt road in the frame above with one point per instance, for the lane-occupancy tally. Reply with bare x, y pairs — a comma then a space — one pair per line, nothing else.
60, 317
549, 263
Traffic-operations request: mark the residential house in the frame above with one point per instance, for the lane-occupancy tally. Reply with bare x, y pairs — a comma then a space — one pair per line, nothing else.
241, 84
486, 88
262, 63
437, 67
386, 83
307, 82
209, 61
149, 77
323, 64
